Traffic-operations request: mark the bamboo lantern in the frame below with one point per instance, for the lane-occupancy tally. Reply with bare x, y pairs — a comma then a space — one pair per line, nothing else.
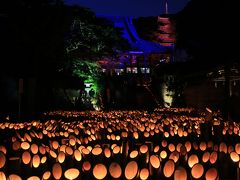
144, 174
16, 145
237, 148
178, 148
206, 157
133, 154
107, 152
163, 154
27, 137
72, 142
174, 156
77, 155
99, 171
213, 157
86, 166
234, 156
46, 175
14, 177
223, 147
36, 161
57, 171
131, 170
156, 149
33, 178
34, 148
53, 154
61, 157
63, 148
192, 160
195, 146
55, 145
116, 150
188, 146
43, 159
169, 168
25, 145
42, 150
203, 146
2, 176
2, 160
197, 171
230, 149
180, 174
72, 173
96, 151
26, 157
171, 147
115, 170
211, 174
69, 151
154, 161
164, 143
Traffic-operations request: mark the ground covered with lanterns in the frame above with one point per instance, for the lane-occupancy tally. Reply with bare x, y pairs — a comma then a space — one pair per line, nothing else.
174, 143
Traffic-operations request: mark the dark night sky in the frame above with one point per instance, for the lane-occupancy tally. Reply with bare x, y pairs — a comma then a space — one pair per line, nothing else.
135, 8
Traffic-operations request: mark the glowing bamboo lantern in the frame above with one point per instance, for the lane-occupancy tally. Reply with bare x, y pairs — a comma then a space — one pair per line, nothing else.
135, 135
86, 166
144, 174
107, 152
2, 160
77, 155
116, 150
43, 159
237, 148
211, 174
36, 161
133, 154
154, 161
197, 171
55, 145
16, 145
209, 144
223, 147
14, 177
180, 174
26, 157
69, 151
171, 147
178, 148
96, 151
174, 156
188, 146
63, 148
206, 157
213, 157
25, 145
192, 160
180, 132
164, 143
27, 137
131, 170
2, 176
99, 171
61, 157
57, 171
42, 150
33, 178
169, 168
53, 154
203, 146
72, 142
195, 146
156, 149
163, 154
115, 170
234, 156
46, 175
71, 173
34, 148
230, 149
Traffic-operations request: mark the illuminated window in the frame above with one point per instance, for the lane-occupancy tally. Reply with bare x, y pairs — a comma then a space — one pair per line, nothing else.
134, 70
119, 71
129, 70
145, 69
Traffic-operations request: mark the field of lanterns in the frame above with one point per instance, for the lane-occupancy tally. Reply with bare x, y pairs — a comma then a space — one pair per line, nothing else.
174, 144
